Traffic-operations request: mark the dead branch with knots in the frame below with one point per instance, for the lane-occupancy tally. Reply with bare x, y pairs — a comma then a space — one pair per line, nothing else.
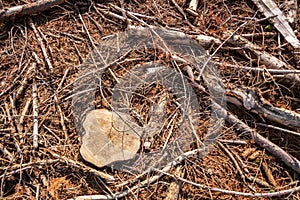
149, 100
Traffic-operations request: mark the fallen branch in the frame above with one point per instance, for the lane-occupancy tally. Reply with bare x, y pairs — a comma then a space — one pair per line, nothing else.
167, 168
258, 69
28, 9
265, 58
252, 101
270, 9
207, 41
146, 182
40, 42
254, 195
289, 160
81, 166
35, 115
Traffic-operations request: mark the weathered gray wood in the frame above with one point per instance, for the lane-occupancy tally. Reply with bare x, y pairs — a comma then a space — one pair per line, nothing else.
271, 10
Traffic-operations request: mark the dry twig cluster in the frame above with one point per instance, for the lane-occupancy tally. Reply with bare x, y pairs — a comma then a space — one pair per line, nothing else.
42, 45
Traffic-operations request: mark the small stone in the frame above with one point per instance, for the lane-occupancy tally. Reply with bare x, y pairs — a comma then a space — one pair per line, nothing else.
109, 138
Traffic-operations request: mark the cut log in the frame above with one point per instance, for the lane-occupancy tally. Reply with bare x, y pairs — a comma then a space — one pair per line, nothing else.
108, 138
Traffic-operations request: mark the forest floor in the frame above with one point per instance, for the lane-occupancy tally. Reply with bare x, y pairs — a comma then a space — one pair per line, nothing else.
41, 54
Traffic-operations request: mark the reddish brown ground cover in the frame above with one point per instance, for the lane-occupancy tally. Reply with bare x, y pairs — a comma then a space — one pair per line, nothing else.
69, 32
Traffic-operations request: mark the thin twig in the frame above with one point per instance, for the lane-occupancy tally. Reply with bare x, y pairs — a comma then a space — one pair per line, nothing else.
258, 181
146, 182
24, 82
179, 9
6, 152
237, 166
234, 141
41, 44
280, 129
254, 195
46, 42
257, 69
132, 13
87, 31
30, 164
35, 115
81, 166
14, 113
12, 85
14, 172
268, 174
63, 79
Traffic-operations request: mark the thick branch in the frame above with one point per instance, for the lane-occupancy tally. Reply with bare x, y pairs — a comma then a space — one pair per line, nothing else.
289, 160
251, 101
28, 9
269, 60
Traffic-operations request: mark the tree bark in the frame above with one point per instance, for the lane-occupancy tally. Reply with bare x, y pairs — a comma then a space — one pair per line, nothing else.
28, 9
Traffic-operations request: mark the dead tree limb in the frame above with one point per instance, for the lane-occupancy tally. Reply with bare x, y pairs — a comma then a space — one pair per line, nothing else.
269, 60
28, 9
35, 115
252, 101
289, 160
270, 9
